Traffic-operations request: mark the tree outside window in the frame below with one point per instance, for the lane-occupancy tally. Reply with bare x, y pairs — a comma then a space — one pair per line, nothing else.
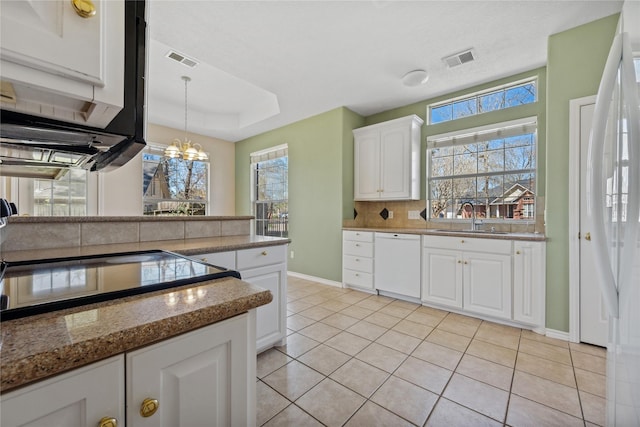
271, 192
494, 178
174, 186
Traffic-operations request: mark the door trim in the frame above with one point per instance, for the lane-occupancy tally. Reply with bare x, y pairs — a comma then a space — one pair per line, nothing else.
574, 214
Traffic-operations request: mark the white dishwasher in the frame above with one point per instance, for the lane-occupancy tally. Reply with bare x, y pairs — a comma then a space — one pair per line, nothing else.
397, 263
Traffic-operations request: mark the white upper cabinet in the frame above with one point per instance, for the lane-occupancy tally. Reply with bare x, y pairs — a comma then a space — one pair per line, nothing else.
61, 65
387, 160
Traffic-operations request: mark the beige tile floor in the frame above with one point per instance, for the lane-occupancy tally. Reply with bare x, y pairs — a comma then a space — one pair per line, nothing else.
357, 359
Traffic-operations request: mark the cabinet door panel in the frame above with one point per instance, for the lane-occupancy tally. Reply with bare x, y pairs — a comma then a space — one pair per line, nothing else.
528, 283
487, 284
395, 174
442, 277
271, 323
199, 378
367, 166
75, 399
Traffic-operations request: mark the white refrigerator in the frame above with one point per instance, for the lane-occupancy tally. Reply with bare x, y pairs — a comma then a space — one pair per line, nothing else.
613, 195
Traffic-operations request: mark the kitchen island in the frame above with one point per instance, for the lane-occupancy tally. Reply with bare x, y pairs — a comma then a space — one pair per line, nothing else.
200, 337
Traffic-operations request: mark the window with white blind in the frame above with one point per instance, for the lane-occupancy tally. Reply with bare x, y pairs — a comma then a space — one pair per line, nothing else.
270, 181
487, 172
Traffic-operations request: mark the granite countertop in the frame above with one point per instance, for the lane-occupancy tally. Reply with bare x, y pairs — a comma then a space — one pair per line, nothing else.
455, 233
36, 347
186, 247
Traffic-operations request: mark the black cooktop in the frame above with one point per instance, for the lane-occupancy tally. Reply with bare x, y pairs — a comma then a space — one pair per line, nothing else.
35, 287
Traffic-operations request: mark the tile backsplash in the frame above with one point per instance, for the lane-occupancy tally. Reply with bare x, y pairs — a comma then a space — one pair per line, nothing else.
397, 213
31, 233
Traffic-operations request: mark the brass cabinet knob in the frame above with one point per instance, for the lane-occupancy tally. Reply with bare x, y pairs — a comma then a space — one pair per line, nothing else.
466, 262
517, 252
587, 237
459, 262
264, 253
108, 422
84, 8
203, 259
461, 241
149, 407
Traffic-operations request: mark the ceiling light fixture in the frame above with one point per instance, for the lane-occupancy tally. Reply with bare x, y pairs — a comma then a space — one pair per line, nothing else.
185, 149
415, 78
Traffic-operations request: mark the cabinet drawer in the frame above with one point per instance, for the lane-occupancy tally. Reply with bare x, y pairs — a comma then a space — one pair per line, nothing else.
363, 249
221, 259
468, 244
356, 263
357, 278
360, 236
258, 257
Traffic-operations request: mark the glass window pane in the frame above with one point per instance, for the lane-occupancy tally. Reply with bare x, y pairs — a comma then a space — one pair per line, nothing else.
492, 101
520, 95
519, 158
441, 114
466, 163
464, 108
491, 161
441, 166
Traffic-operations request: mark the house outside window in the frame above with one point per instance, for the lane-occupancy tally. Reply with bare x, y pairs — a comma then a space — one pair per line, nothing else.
270, 170
487, 172
498, 98
174, 186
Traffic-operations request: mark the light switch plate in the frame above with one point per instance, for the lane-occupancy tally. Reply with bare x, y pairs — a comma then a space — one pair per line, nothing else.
414, 214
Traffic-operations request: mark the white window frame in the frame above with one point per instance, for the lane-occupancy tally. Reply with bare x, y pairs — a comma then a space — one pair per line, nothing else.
281, 150
477, 134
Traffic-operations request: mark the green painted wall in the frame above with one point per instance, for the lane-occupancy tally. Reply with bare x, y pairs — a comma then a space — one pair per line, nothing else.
530, 110
576, 59
320, 175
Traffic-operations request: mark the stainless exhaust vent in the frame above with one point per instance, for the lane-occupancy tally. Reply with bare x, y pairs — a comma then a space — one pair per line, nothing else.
460, 58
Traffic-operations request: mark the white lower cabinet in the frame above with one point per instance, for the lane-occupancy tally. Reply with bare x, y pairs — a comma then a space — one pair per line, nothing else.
529, 283
265, 267
357, 259
442, 277
203, 377
469, 274
78, 398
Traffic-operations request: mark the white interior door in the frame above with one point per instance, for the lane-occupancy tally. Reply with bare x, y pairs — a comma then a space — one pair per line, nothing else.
593, 312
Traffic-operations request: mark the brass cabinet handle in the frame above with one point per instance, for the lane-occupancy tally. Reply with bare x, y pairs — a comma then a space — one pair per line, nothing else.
149, 407
108, 422
84, 8
587, 237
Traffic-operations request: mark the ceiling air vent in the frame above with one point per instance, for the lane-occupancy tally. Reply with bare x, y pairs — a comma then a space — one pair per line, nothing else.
459, 58
189, 62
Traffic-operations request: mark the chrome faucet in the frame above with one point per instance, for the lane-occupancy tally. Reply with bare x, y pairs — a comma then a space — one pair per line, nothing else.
475, 223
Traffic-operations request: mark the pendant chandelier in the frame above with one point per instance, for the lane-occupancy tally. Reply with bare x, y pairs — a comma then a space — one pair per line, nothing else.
185, 149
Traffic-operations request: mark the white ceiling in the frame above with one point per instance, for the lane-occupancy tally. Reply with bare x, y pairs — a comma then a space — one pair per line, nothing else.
266, 64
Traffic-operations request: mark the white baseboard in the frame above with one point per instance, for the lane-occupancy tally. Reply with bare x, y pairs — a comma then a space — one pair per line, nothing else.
559, 335
315, 279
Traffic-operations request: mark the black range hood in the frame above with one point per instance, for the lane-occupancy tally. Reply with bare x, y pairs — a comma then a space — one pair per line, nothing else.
33, 146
